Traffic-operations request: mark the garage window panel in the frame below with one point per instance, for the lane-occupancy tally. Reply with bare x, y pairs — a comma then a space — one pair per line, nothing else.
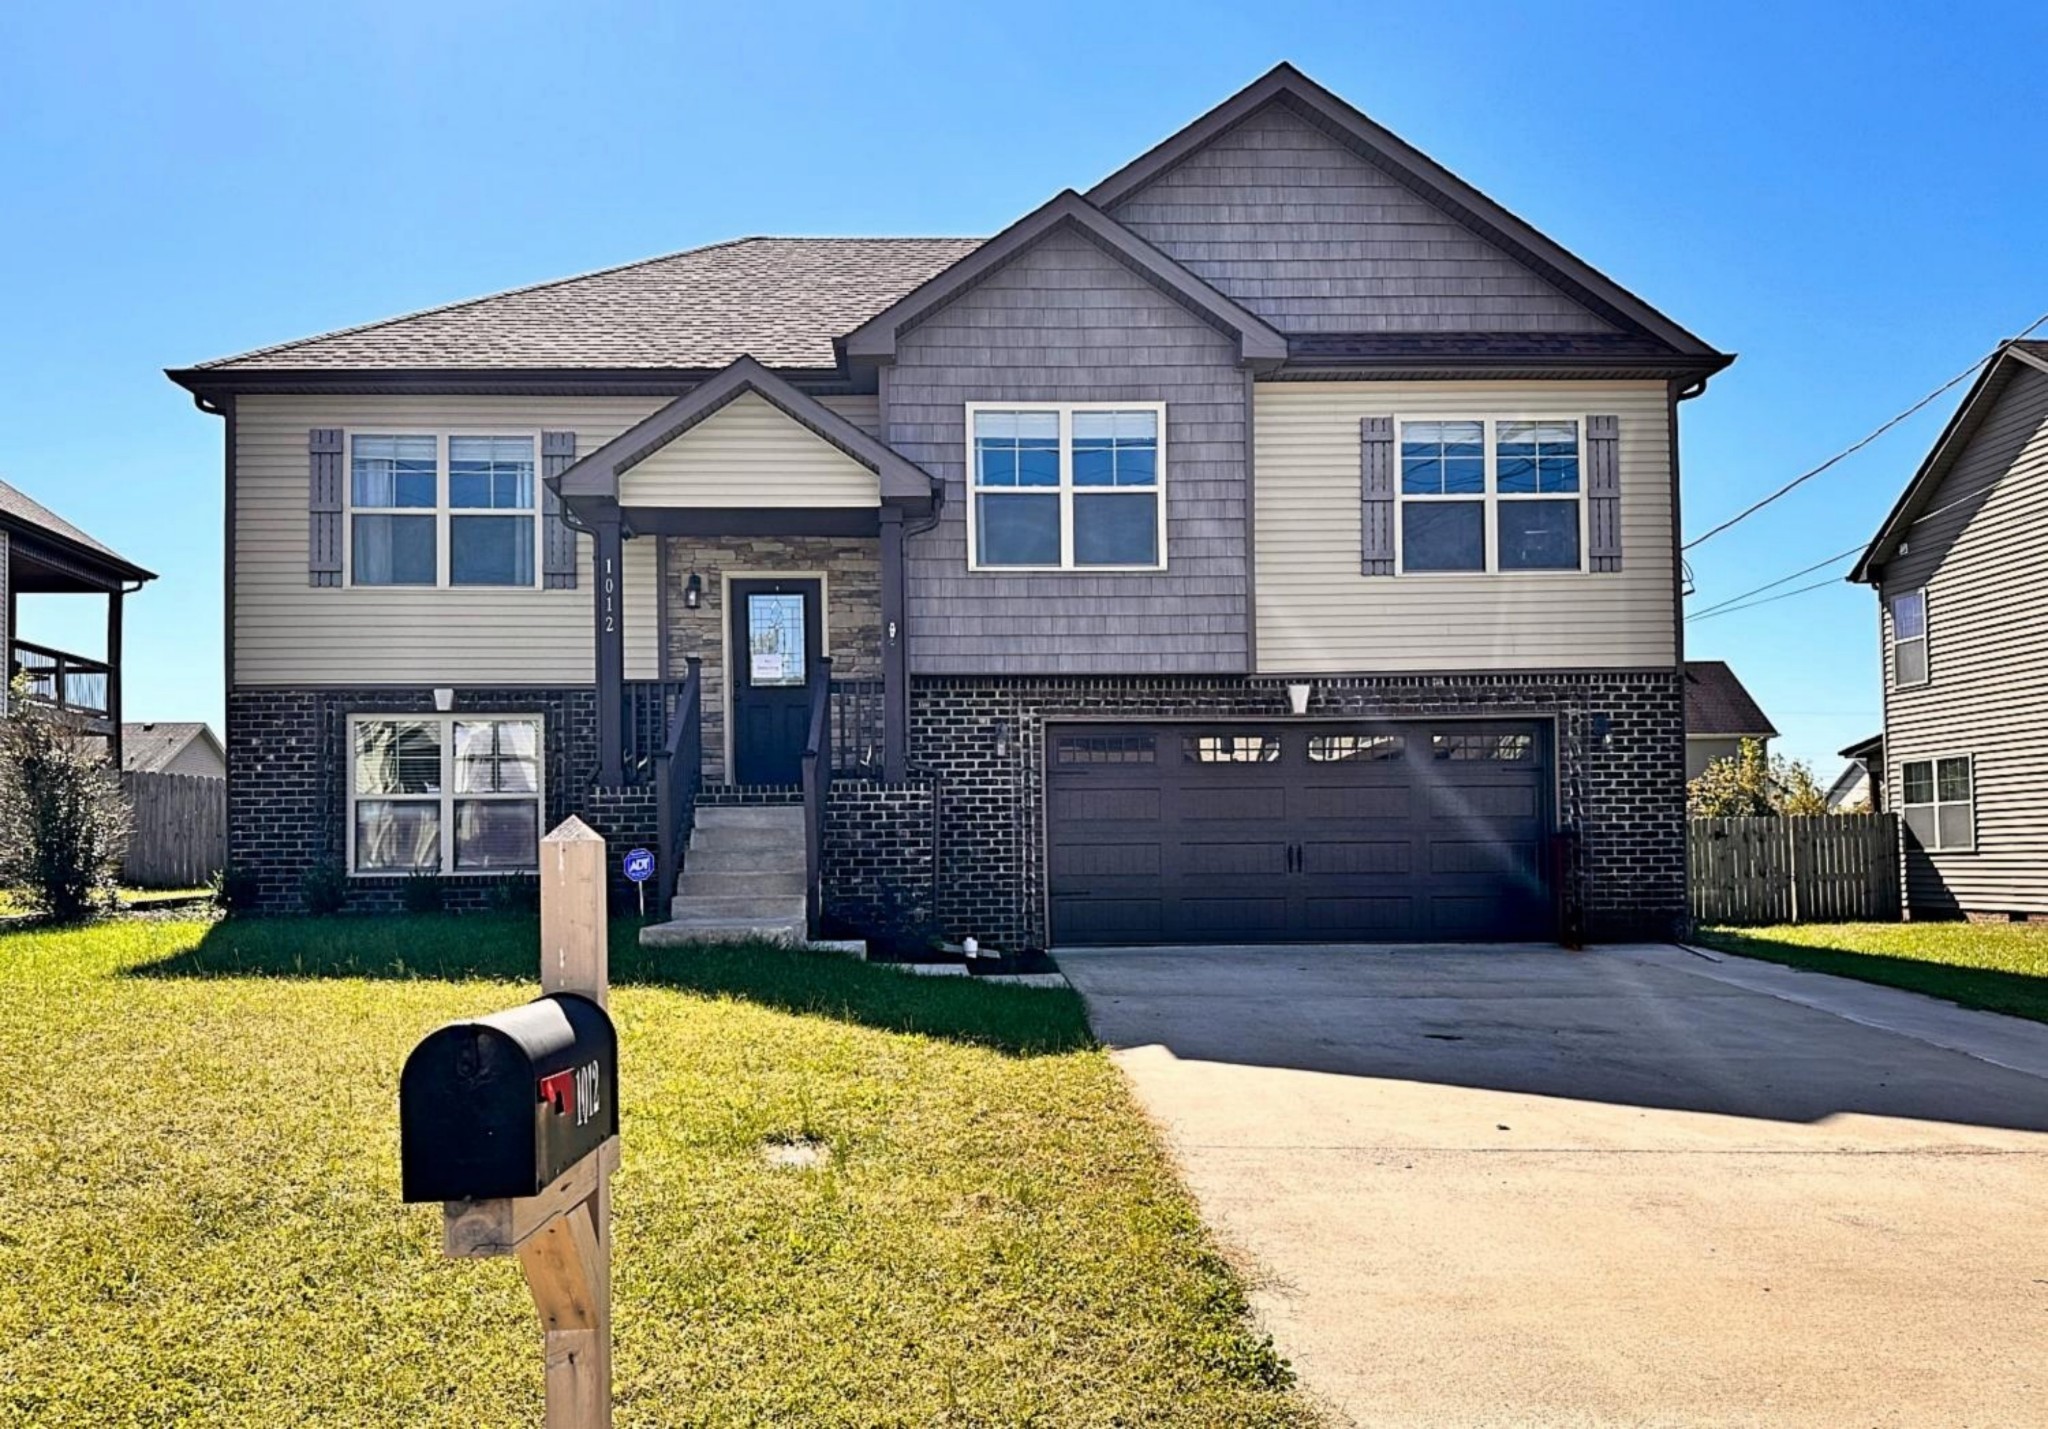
1230, 748
1355, 748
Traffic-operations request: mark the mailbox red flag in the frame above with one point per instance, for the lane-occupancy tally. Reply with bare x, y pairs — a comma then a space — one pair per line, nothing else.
559, 1092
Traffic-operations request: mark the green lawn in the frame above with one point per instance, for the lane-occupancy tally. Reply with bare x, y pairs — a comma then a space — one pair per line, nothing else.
2001, 967
202, 1227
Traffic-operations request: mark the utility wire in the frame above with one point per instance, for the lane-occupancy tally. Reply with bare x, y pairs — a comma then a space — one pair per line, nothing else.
1731, 609
1857, 446
1773, 585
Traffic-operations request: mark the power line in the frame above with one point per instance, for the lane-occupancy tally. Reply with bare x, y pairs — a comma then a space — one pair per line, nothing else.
1752, 605
1857, 446
1773, 585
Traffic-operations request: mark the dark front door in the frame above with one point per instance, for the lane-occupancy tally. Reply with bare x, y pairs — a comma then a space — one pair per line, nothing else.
1297, 832
775, 646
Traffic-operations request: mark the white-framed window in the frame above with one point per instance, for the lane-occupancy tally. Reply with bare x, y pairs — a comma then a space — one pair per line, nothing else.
1939, 802
433, 793
1491, 494
1066, 486
1909, 639
443, 509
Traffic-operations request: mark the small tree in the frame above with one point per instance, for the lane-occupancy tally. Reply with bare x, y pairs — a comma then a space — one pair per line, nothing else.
1746, 784
63, 822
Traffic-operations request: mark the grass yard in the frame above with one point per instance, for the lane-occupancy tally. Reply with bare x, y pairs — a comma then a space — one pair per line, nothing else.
198, 1170
2000, 967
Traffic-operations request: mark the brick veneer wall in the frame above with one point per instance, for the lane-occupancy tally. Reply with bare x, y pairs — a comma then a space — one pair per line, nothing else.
880, 862
288, 780
1622, 794
853, 610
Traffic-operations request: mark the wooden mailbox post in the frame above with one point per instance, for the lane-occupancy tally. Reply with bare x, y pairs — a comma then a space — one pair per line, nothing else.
562, 1234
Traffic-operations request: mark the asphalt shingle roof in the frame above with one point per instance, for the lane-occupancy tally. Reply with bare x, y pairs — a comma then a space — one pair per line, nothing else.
780, 300
18, 506
1716, 702
147, 748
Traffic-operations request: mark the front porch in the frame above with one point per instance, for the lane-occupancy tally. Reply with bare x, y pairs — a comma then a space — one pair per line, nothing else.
778, 530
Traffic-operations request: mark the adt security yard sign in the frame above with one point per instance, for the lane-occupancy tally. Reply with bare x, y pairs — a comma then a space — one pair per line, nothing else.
639, 865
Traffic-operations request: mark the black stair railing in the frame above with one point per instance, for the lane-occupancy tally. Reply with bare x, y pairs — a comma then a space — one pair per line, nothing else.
817, 786
678, 776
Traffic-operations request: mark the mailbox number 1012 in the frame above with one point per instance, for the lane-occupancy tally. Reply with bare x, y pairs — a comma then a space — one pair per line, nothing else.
586, 1094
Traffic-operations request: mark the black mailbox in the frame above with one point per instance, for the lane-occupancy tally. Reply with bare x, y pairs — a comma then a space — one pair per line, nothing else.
502, 1106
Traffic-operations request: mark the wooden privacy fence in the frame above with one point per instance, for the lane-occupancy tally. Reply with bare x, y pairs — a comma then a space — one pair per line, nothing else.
180, 838
1833, 868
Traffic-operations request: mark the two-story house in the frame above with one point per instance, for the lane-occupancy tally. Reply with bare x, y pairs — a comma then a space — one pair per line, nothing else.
1275, 541
1963, 630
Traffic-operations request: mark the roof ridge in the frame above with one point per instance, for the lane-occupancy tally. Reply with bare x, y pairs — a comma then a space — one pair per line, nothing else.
473, 301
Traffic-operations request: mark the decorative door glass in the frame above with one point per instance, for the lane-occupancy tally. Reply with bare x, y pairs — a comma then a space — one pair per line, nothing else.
775, 641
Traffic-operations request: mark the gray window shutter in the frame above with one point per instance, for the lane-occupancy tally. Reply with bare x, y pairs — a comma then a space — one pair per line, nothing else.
1376, 494
1603, 492
323, 506
558, 549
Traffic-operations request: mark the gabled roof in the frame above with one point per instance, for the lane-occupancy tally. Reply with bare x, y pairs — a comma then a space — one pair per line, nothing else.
1716, 704
23, 512
150, 747
597, 475
2013, 357
1258, 342
781, 300
1284, 84
1866, 750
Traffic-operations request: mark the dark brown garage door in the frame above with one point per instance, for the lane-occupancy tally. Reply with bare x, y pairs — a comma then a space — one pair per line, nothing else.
1297, 832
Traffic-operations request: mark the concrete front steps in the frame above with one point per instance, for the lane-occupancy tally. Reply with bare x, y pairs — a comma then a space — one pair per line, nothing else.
743, 879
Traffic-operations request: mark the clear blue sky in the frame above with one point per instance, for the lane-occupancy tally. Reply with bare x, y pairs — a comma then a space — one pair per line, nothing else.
1846, 196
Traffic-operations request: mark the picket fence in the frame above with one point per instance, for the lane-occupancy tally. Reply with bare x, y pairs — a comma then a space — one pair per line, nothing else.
1835, 868
180, 836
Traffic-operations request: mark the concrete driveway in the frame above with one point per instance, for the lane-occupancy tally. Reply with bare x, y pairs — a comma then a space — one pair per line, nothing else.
1634, 1186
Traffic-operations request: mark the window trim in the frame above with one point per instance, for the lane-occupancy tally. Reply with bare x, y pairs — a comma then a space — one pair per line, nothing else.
448, 797
1934, 762
441, 511
1491, 497
1066, 488
1891, 626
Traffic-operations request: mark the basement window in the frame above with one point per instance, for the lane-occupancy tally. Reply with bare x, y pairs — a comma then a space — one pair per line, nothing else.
444, 794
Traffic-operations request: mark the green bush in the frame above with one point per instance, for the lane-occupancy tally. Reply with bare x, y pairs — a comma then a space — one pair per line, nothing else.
63, 821
514, 893
324, 887
422, 893
234, 889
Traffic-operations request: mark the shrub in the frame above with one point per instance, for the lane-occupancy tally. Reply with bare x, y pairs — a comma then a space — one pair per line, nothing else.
234, 889
324, 887
63, 821
422, 893
514, 893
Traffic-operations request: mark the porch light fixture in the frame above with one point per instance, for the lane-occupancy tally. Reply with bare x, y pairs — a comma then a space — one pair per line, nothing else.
1297, 697
1001, 731
693, 591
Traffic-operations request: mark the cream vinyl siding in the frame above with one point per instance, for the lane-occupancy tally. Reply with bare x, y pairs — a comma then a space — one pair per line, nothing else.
290, 633
1983, 562
738, 454
1318, 615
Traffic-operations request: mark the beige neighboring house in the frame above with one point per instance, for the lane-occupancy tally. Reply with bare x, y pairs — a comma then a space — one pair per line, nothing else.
1719, 715
1959, 567
172, 747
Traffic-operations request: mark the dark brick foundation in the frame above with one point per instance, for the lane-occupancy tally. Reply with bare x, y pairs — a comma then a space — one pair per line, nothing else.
880, 863
288, 791
1621, 793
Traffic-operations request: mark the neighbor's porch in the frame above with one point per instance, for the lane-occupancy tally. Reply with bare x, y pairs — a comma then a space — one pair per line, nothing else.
84, 690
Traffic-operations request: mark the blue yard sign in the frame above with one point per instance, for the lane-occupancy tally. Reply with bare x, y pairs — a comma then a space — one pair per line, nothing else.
639, 865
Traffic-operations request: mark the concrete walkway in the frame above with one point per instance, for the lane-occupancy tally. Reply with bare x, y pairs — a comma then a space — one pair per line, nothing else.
1523, 1186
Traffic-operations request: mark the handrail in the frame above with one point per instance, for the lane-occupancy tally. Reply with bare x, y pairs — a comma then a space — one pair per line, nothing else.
60, 678
678, 775
817, 784
84, 663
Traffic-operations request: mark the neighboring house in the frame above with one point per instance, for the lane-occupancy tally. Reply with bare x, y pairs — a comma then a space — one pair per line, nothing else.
167, 747
1719, 715
1857, 786
1281, 410
43, 554
1961, 573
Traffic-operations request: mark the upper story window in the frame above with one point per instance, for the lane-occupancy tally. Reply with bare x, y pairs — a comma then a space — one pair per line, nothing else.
1909, 639
1077, 486
1491, 494
442, 510
1940, 805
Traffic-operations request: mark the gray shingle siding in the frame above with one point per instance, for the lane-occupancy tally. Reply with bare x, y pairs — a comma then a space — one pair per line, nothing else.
1983, 562
1065, 322
1286, 220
